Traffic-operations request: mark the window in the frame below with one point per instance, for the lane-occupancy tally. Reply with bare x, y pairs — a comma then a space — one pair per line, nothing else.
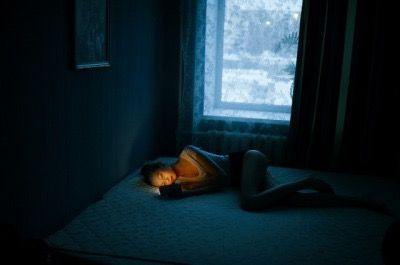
250, 58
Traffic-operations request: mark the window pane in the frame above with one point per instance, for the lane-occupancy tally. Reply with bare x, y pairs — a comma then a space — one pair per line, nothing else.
255, 46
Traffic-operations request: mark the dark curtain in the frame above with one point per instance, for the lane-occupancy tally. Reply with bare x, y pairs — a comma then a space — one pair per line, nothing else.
312, 128
342, 103
371, 133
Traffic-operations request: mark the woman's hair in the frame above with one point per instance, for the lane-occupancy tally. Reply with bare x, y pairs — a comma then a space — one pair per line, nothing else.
148, 169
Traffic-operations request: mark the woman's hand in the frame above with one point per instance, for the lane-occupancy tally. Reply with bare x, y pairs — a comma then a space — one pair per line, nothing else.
173, 191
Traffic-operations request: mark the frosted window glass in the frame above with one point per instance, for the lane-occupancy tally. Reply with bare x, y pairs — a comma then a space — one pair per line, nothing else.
251, 51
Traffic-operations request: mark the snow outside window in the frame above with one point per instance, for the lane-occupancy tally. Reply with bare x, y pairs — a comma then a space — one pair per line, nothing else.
251, 51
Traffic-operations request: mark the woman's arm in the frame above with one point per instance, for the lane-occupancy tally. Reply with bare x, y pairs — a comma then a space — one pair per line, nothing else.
201, 190
179, 191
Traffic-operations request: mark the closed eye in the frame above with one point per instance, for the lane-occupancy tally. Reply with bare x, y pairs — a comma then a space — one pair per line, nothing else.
162, 179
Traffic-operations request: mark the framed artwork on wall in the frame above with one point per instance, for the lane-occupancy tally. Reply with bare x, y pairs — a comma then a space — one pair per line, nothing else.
92, 34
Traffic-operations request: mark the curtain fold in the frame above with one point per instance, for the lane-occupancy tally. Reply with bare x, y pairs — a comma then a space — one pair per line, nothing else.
192, 66
343, 107
315, 101
370, 133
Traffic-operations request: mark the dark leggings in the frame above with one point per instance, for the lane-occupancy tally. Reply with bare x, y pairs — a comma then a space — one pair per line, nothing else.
236, 165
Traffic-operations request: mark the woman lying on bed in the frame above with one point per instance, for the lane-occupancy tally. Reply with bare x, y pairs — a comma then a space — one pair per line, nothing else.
197, 171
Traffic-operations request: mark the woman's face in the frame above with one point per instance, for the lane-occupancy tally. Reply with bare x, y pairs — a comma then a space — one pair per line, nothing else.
162, 177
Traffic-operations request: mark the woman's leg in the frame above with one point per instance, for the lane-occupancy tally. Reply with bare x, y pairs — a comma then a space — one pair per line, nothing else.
254, 169
299, 199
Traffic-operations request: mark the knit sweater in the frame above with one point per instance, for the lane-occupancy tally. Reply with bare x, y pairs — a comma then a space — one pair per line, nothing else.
196, 168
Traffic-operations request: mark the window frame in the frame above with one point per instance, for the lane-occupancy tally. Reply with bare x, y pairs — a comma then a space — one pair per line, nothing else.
218, 103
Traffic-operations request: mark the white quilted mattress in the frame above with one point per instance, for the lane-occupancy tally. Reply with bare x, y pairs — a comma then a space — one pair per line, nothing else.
132, 221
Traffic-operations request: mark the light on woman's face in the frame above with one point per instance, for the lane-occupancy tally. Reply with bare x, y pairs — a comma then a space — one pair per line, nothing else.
163, 177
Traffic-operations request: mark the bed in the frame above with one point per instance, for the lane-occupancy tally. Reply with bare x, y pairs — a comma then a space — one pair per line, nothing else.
131, 224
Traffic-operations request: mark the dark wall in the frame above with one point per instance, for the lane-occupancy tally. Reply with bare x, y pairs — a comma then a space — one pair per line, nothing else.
69, 135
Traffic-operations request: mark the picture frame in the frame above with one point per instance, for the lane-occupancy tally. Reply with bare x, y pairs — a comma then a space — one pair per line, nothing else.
92, 34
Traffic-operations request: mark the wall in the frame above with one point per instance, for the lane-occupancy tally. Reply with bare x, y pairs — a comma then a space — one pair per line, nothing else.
69, 135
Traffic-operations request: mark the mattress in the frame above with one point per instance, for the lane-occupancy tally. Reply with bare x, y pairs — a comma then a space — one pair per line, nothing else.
132, 224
